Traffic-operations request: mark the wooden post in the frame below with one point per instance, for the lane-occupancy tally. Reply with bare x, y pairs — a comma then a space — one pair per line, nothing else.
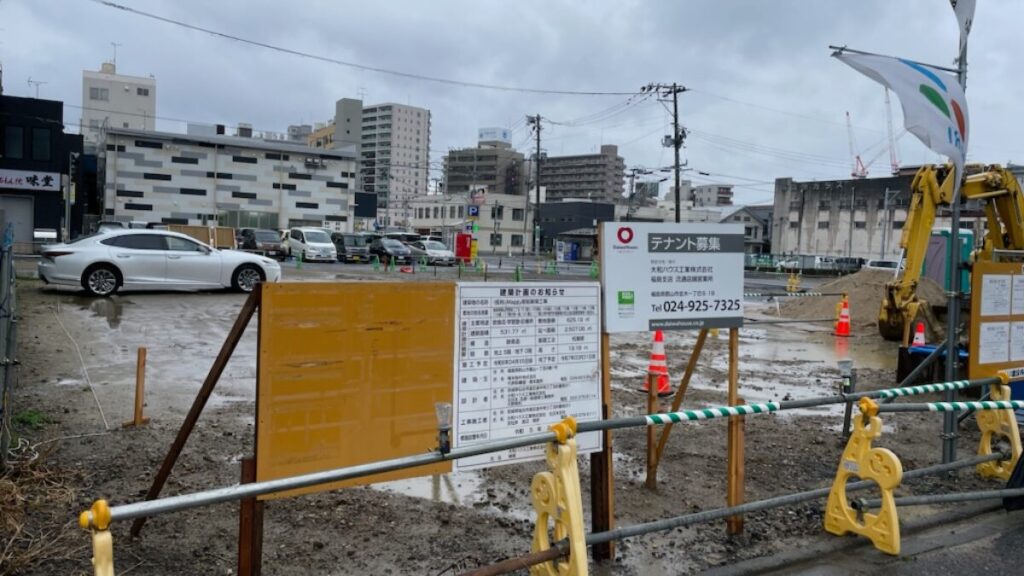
677, 401
250, 526
651, 482
140, 390
234, 336
735, 439
602, 479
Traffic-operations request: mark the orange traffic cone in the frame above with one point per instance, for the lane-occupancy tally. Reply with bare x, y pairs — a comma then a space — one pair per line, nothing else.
843, 325
658, 365
919, 335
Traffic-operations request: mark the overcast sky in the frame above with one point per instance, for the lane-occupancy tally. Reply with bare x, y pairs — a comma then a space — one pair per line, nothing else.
766, 99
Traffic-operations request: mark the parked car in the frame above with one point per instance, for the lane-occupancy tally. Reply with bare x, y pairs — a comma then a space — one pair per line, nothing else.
351, 247
404, 237
128, 259
313, 244
885, 265
416, 254
263, 241
437, 253
389, 249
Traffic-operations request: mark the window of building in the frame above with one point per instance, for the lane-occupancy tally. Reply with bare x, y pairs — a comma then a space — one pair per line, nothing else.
124, 124
794, 224
14, 142
495, 239
436, 212
142, 91
451, 212
94, 123
860, 225
99, 93
517, 240
462, 210
497, 212
897, 224
41, 144
824, 205
823, 225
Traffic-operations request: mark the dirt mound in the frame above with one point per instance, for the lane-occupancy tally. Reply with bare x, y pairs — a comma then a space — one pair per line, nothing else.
865, 290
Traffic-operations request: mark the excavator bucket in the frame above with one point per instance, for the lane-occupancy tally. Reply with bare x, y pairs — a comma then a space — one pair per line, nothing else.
896, 322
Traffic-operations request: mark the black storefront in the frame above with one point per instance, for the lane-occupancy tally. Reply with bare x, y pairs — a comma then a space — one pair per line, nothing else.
36, 158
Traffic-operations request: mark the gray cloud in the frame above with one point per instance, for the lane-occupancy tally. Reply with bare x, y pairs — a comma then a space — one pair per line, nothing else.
767, 99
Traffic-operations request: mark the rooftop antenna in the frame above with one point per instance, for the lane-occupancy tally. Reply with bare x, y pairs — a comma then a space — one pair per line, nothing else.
362, 93
115, 45
35, 83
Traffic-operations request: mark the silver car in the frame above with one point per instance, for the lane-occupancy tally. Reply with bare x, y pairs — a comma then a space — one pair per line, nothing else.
111, 260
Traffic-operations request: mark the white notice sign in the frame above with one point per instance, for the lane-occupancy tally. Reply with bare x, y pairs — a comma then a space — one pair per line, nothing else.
527, 355
995, 295
1016, 341
993, 342
1017, 305
671, 276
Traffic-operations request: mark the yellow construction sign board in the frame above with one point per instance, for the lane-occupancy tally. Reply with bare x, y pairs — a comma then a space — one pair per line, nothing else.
348, 373
997, 319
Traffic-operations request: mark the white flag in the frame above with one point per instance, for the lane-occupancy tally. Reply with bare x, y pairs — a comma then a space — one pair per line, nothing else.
964, 10
934, 108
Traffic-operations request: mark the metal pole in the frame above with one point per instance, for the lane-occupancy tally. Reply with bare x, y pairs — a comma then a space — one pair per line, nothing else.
853, 210
953, 308
950, 407
676, 143
925, 499
536, 188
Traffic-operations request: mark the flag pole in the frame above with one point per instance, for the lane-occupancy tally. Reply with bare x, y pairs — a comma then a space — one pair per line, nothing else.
949, 427
840, 49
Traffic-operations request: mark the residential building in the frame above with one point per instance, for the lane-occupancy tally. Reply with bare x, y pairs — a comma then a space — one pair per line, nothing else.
159, 177
707, 195
756, 223
112, 100
322, 136
646, 191
299, 132
598, 177
504, 221
492, 166
860, 218
36, 159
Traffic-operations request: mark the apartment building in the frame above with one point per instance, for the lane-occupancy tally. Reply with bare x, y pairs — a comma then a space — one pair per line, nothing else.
159, 177
597, 177
112, 100
492, 166
707, 195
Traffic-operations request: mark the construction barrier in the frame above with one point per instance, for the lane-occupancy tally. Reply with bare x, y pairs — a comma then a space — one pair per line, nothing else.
556, 492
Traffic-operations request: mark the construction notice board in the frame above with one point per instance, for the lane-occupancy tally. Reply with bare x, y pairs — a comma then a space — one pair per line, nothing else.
348, 373
526, 355
671, 276
997, 319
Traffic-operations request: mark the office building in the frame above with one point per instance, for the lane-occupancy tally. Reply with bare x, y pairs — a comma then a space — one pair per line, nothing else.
159, 177
492, 166
503, 221
112, 100
707, 195
597, 177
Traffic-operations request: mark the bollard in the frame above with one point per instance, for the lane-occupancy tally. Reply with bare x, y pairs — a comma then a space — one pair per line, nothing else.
517, 276
298, 261
140, 391
847, 387
460, 268
97, 519
594, 270
485, 271
376, 263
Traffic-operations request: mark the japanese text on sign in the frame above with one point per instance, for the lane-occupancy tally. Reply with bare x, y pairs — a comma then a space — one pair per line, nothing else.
527, 355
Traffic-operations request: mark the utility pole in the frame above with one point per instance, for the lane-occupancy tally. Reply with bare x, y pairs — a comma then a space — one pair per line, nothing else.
675, 140
534, 122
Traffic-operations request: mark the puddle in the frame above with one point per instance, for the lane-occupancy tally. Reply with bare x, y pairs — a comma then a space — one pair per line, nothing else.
455, 488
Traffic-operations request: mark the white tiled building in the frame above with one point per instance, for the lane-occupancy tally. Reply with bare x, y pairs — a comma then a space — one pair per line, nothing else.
159, 177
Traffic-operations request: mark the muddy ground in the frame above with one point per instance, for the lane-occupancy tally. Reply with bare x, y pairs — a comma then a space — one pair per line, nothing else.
424, 526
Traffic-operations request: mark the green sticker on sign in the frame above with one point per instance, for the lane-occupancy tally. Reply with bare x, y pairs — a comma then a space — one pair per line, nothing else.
627, 301
626, 297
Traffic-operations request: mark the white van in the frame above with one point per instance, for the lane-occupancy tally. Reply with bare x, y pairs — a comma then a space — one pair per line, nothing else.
312, 244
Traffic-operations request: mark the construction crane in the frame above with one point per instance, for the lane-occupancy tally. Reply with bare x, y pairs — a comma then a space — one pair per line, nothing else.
859, 170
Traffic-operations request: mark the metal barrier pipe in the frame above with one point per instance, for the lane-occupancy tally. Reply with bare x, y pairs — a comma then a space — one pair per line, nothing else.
789, 294
954, 406
561, 548
925, 499
186, 501
788, 321
238, 492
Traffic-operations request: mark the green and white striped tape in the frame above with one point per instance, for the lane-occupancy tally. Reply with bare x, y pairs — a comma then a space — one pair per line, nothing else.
925, 389
783, 295
983, 405
709, 413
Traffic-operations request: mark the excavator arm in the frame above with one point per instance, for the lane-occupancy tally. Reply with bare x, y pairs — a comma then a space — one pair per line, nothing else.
1003, 202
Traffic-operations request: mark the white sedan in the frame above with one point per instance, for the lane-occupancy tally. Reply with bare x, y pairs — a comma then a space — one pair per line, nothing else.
437, 253
110, 260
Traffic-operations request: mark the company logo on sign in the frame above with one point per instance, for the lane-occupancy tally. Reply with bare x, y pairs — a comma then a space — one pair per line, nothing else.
625, 234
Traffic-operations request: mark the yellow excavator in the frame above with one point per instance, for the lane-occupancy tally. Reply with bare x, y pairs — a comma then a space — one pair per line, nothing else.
999, 193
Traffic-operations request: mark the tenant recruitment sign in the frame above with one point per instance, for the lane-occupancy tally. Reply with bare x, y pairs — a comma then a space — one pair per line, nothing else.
661, 276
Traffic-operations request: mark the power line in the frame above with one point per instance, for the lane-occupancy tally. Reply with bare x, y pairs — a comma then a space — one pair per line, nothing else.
328, 59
